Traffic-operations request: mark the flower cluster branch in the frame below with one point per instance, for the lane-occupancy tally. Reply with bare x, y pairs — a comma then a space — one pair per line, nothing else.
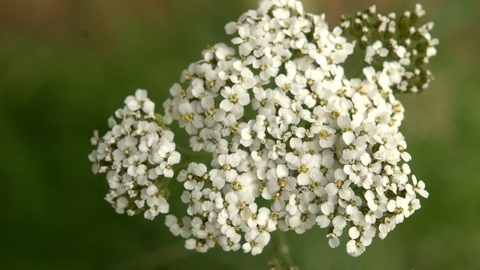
399, 48
134, 154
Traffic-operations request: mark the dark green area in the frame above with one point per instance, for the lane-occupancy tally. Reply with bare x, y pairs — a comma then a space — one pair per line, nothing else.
65, 66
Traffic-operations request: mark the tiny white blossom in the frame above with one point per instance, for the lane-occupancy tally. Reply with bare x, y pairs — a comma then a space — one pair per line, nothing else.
140, 101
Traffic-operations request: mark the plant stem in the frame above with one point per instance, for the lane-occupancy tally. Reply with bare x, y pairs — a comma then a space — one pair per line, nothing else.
282, 261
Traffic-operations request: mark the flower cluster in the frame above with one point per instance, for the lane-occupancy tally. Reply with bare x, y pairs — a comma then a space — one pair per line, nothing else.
293, 142
133, 154
399, 48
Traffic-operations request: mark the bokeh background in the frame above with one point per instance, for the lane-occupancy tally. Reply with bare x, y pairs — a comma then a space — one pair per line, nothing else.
66, 65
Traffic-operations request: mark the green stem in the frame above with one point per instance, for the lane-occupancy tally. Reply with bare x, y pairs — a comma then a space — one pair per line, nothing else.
193, 155
282, 261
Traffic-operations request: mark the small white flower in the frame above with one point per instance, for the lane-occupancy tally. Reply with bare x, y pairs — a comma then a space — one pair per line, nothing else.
397, 207
356, 247
157, 205
193, 200
340, 185
333, 240
199, 245
256, 241
419, 187
228, 164
94, 158
235, 99
179, 227
140, 101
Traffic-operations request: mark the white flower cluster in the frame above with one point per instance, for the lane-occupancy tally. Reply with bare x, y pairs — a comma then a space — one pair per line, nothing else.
398, 48
294, 142
133, 154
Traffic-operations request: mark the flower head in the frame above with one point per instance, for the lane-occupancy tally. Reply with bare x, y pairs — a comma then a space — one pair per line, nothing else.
283, 127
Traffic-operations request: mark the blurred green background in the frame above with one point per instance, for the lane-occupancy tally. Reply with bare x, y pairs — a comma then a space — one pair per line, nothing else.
66, 65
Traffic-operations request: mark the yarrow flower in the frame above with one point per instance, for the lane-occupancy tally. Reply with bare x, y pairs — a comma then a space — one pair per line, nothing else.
293, 143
